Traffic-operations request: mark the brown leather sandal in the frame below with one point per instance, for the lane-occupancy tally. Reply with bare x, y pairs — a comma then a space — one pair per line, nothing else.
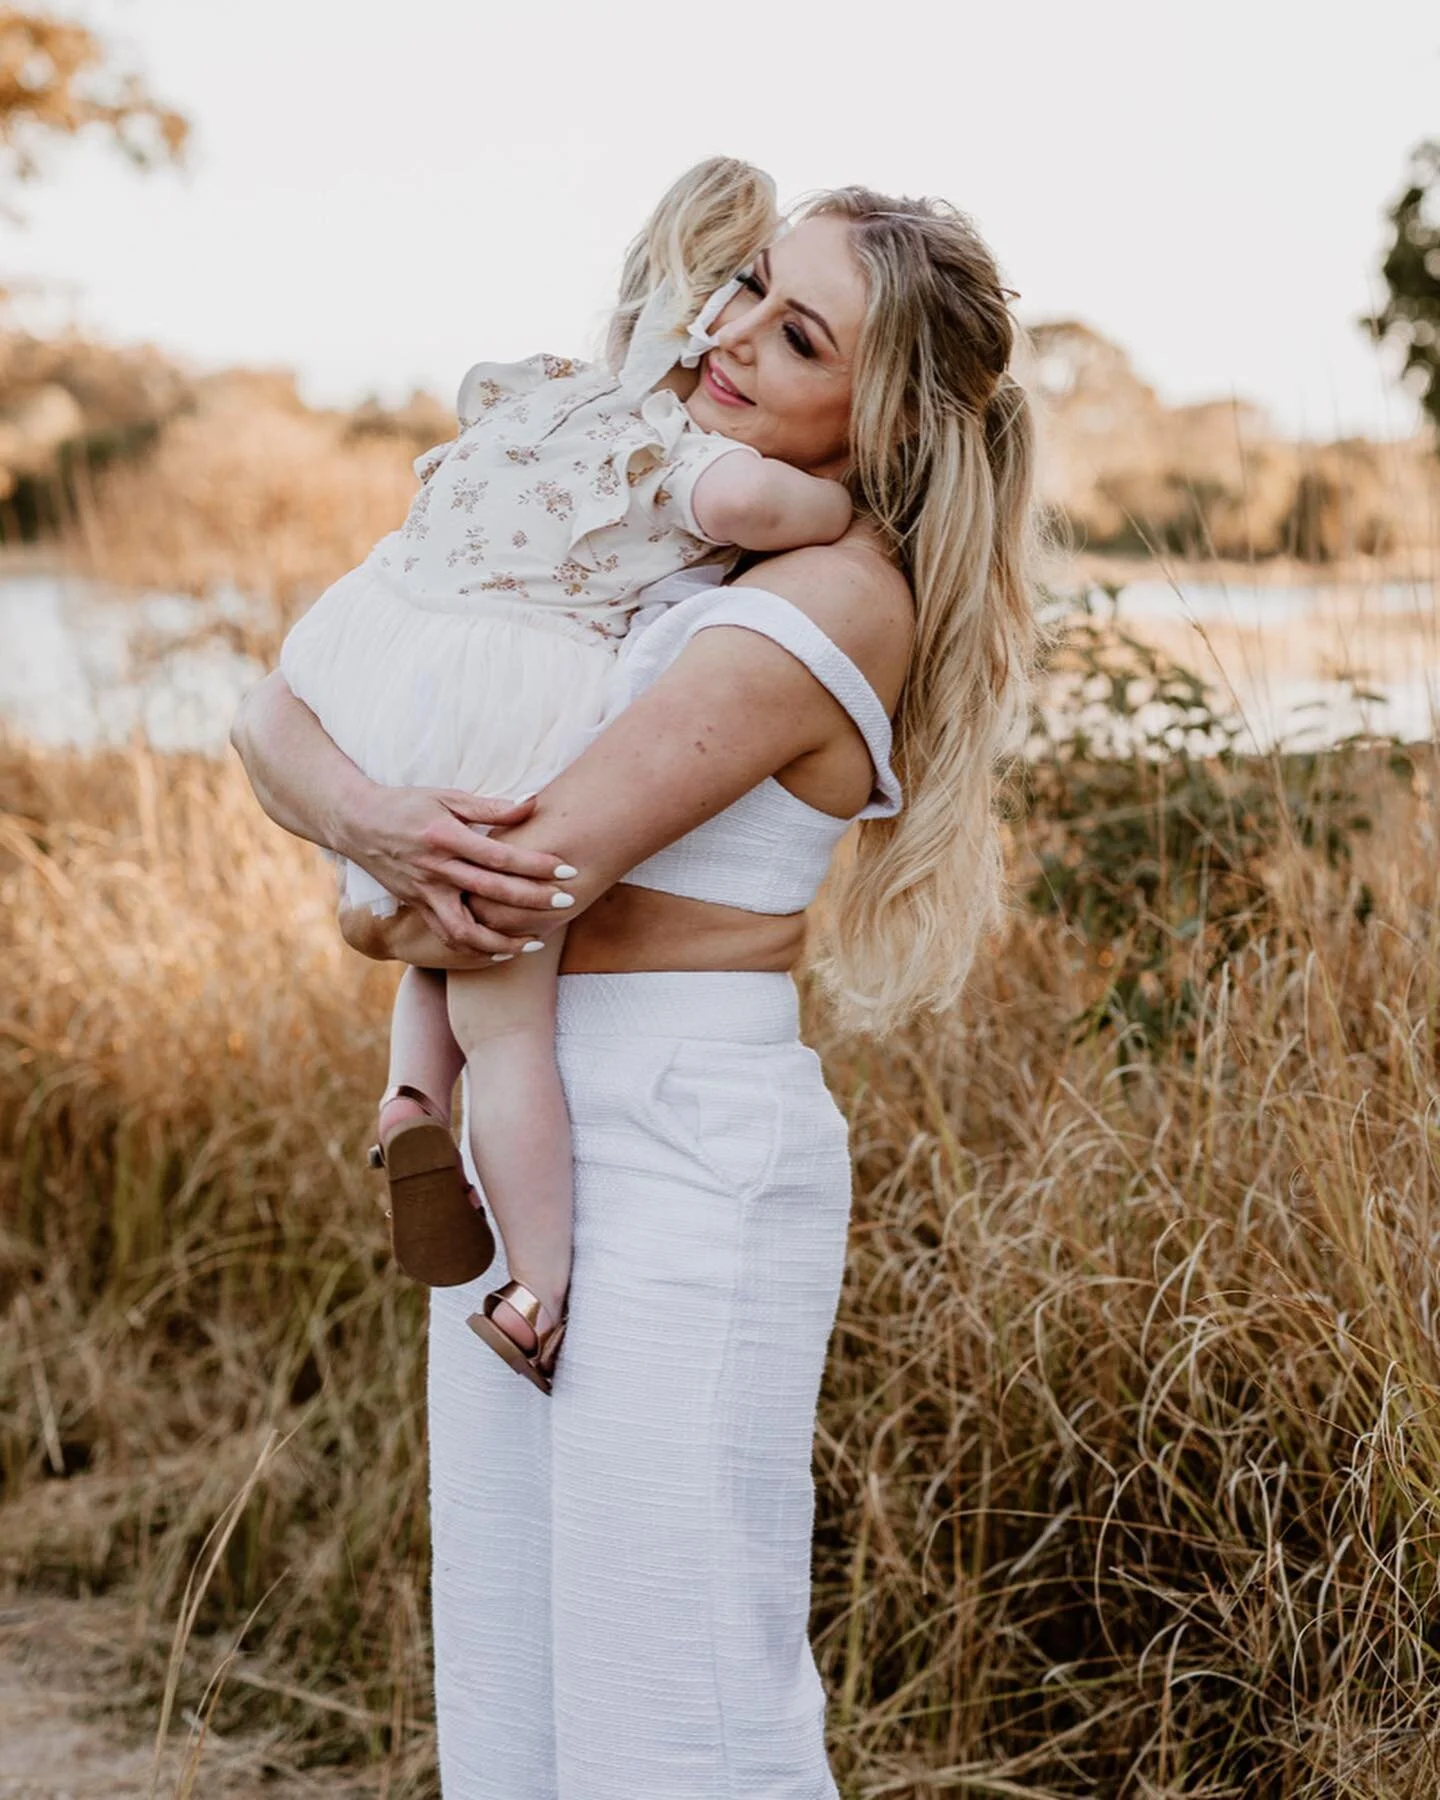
438, 1234
535, 1365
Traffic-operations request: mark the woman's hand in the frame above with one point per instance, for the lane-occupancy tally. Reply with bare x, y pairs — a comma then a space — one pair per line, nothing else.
420, 843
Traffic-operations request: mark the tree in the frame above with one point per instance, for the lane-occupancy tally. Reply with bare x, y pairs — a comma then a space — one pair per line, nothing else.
58, 80
1411, 314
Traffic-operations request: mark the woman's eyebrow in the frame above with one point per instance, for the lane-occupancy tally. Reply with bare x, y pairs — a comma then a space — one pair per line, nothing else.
798, 305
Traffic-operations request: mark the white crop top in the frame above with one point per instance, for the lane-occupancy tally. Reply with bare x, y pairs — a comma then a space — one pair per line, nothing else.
768, 852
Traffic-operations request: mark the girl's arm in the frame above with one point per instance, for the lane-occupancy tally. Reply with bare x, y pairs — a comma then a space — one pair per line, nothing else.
760, 503
417, 842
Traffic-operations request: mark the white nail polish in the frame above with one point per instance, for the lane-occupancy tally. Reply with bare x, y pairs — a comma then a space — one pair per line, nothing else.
562, 900
534, 944
565, 873
502, 959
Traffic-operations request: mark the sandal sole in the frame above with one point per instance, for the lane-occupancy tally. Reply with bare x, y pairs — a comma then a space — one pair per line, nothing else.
438, 1235
504, 1345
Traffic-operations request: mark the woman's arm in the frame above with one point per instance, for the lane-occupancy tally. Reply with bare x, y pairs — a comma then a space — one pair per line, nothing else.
732, 709
417, 842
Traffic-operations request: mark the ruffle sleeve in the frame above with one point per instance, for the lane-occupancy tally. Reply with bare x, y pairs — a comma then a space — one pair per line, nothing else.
641, 441
657, 455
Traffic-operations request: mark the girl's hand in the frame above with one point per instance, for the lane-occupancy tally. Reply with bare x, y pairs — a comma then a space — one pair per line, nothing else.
403, 937
421, 844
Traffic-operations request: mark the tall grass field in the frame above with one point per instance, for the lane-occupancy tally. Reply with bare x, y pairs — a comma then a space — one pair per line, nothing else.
1128, 1464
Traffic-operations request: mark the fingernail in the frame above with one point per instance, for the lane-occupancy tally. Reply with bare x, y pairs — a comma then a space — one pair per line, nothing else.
502, 959
534, 944
562, 900
565, 873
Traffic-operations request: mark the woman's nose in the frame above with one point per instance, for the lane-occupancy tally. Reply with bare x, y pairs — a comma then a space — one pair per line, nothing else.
735, 339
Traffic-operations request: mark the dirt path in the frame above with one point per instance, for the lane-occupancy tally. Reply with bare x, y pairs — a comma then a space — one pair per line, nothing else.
56, 1742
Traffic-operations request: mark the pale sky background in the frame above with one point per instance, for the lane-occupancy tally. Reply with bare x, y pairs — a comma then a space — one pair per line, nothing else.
380, 194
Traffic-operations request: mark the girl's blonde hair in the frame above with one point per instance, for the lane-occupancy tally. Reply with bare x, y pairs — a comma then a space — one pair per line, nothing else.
943, 461
716, 218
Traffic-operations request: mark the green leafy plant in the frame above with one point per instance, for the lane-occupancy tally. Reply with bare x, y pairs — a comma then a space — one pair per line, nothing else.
1155, 828
1411, 271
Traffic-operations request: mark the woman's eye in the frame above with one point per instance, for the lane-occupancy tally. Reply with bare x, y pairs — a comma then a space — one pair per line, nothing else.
798, 341
751, 281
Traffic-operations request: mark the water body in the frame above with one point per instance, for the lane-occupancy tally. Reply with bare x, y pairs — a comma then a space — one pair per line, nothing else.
1298, 667
85, 668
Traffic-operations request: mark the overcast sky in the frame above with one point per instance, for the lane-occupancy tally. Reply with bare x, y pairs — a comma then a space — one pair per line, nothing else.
380, 194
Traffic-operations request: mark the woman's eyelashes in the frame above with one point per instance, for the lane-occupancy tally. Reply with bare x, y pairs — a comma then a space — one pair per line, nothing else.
792, 333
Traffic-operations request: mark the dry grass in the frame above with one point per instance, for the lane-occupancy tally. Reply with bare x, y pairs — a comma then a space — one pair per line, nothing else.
1128, 1460
1129, 1481
250, 487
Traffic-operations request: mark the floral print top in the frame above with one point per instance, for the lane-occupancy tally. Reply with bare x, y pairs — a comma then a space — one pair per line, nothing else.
565, 490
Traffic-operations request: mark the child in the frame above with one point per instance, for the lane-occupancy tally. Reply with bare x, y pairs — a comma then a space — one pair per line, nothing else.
472, 650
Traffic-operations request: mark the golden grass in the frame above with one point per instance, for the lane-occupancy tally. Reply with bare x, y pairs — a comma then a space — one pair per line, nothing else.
251, 487
1129, 1456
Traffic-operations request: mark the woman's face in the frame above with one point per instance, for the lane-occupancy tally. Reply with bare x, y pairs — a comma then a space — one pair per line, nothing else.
779, 377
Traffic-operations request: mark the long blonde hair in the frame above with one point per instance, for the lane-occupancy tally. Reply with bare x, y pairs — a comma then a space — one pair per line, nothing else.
717, 217
943, 461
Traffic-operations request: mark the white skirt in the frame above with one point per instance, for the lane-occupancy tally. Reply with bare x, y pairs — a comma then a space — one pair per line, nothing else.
495, 698
622, 1571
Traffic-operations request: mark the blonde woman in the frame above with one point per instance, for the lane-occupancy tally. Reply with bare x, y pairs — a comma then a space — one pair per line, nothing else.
621, 1580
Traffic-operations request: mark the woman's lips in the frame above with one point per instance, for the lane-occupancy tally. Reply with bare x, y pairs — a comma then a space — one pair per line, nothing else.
723, 391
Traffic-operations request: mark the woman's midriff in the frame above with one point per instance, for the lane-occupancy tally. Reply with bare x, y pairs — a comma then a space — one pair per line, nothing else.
635, 929
627, 931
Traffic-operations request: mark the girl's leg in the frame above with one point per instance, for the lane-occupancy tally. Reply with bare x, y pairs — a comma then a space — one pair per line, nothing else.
438, 1232
519, 1131
423, 1051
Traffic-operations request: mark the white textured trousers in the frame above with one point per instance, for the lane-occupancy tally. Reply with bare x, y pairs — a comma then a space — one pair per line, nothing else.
621, 1571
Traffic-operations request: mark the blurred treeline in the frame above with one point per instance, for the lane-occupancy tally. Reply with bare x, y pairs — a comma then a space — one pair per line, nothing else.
163, 475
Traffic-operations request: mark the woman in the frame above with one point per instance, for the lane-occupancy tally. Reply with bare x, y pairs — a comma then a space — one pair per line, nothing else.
621, 1575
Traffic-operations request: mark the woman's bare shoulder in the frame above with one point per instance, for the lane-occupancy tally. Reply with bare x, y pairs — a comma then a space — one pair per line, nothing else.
857, 597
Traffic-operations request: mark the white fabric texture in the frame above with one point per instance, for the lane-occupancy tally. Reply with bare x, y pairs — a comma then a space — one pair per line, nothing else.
497, 707
769, 851
621, 1571
471, 648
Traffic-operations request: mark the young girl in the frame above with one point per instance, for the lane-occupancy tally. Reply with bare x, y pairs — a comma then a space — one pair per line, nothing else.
472, 650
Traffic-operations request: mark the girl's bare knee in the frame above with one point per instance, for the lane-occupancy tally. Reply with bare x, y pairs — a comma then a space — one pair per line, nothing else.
505, 1001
